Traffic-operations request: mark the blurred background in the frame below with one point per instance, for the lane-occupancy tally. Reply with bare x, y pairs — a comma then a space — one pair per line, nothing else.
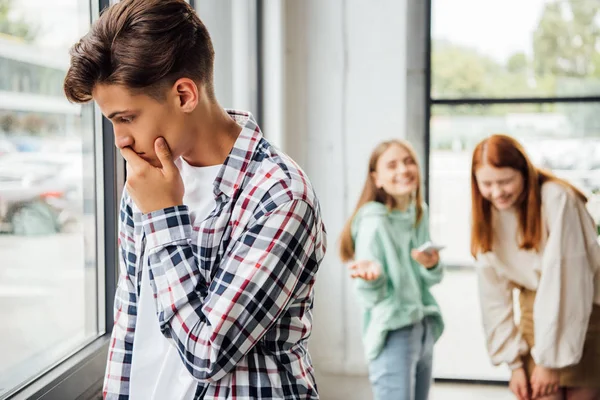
327, 81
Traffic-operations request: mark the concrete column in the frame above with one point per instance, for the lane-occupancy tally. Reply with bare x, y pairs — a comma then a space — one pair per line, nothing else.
354, 76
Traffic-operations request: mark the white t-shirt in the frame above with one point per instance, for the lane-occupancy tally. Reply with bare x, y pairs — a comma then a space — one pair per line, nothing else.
157, 371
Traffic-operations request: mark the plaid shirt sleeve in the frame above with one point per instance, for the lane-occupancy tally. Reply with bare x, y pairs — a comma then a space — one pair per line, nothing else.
252, 287
116, 380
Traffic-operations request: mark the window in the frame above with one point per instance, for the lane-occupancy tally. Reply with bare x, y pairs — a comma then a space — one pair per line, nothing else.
539, 48
527, 69
60, 184
49, 287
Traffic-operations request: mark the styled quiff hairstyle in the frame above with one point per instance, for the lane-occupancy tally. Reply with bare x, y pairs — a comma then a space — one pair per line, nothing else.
144, 45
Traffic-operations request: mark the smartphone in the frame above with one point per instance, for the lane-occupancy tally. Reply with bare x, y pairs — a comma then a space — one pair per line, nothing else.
428, 247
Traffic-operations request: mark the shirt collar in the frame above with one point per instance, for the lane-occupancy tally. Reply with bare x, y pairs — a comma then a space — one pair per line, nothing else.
236, 164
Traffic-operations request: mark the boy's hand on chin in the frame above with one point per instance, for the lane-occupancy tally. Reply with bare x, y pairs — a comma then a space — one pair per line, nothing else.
153, 188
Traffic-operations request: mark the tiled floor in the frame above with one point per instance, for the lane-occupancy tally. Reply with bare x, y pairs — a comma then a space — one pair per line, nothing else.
357, 388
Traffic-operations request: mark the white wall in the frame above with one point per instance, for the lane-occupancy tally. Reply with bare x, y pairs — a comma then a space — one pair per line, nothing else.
232, 27
273, 50
347, 85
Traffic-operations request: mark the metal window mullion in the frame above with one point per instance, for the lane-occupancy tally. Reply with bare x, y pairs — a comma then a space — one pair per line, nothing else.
513, 100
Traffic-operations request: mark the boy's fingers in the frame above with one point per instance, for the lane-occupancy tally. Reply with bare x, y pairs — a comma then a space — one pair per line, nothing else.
164, 155
133, 159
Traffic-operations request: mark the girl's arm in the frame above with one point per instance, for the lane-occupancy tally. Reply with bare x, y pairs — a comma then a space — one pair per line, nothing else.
503, 339
434, 275
368, 246
564, 298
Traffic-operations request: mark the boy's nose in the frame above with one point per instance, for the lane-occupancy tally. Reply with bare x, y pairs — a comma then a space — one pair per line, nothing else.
123, 140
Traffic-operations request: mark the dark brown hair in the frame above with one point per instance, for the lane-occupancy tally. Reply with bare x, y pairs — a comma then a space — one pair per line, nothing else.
144, 45
501, 151
372, 193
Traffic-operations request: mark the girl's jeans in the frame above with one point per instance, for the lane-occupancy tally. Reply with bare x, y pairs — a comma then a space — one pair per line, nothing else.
402, 371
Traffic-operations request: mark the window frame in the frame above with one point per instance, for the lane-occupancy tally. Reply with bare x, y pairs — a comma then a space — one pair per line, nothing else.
81, 374
431, 102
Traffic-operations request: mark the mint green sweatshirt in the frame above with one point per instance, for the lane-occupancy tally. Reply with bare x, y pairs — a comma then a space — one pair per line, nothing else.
401, 295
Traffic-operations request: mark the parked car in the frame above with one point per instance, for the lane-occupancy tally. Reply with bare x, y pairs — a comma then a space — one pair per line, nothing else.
37, 195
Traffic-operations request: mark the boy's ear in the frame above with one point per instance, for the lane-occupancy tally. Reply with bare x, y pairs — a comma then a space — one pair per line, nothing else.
187, 93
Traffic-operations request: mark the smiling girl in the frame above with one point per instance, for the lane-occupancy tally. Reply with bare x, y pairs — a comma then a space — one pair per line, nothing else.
531, 232
402, 320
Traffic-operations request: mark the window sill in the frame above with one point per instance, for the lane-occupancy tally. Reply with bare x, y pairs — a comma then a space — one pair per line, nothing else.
72, 378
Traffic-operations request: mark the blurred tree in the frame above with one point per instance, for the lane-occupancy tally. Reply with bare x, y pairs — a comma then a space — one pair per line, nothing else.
33, 123
566, 41
14, 27
8, 123
517, 63
462, 72
459, 72
566, 48
565, 61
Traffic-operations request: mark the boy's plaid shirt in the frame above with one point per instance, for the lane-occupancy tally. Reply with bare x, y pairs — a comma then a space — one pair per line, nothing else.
234, 292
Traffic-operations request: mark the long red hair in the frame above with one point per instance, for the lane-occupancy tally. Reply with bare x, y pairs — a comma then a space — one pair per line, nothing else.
502, 151
370, 192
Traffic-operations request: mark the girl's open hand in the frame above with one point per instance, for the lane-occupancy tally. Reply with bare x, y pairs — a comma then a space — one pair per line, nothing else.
367, 270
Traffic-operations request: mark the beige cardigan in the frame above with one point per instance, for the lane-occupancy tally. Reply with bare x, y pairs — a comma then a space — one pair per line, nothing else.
564, 274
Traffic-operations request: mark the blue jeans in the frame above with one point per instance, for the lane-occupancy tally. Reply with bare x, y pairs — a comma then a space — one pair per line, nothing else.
403, 369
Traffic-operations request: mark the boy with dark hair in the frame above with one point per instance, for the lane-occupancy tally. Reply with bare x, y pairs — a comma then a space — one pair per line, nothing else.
220, 234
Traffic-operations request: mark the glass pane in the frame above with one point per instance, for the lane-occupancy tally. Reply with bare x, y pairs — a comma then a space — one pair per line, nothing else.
561, 137
512, 48
48, 268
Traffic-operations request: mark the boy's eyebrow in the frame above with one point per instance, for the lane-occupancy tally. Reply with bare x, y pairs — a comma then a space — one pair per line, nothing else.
114, 114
